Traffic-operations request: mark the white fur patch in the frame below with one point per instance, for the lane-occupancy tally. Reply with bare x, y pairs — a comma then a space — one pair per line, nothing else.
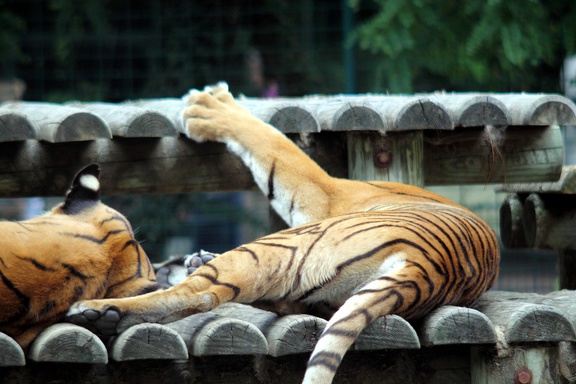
392, 263
90, 182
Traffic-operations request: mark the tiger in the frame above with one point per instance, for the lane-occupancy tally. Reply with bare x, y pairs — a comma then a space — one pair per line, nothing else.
81, 249
364, 249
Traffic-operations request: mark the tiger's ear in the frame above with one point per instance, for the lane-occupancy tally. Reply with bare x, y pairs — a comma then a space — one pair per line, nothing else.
85, 190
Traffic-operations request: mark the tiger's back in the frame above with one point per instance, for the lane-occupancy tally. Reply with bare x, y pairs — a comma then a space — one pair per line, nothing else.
81, 249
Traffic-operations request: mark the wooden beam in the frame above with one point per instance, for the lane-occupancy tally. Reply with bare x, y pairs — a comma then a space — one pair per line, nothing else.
491, 155
11, 354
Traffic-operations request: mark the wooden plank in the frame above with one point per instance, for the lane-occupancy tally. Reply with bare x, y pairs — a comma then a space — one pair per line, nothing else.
565, 184
131, 121
14, 126
68, 343
294, 334
166, 165
148, 341
393, 157
473, 110
387, 332
488, 155
456, 325
208, 334
58, 123
538, 109
522, 322
11, 354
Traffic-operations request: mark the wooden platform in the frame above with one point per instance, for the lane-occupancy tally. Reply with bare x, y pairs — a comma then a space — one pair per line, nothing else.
502, 324
142, 147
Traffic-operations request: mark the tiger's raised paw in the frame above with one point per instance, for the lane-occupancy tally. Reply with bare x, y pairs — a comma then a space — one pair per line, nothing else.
102, 323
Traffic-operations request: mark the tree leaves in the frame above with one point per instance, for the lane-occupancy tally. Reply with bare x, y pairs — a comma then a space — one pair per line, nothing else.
493, 44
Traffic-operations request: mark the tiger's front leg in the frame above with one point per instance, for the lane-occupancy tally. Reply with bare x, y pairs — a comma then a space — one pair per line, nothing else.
298, 189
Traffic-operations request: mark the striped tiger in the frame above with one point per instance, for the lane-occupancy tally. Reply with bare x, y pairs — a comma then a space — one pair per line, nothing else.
366, 249
81, 249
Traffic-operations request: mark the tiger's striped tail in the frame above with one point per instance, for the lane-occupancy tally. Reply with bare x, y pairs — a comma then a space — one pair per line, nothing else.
377, 298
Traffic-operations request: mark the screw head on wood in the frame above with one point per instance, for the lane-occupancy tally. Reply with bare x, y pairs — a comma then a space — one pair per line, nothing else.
382, 159
523, 376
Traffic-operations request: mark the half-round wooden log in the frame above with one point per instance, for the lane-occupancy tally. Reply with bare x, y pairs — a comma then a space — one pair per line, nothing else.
131, 121
387, 332
456, 325
422, 113
539, 109
212, 334
354, 116
15, 126
294, 334
171, 108
288, 115
527, 322
511, 222
473, 110
12, 354
226, 336
59, 123
148, 341
68, 343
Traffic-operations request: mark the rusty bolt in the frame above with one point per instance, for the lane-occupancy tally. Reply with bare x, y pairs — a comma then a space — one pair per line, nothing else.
523, 376
382, 159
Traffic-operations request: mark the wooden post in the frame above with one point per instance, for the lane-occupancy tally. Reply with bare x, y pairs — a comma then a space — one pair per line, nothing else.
397, 156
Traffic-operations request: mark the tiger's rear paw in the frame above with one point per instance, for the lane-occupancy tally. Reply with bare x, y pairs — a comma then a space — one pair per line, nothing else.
104, 322
176, 269
198, 259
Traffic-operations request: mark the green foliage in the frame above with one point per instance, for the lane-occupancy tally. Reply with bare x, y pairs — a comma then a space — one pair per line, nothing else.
496, 45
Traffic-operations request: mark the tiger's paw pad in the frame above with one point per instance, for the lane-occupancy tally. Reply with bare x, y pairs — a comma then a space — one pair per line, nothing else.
198, 259
100, 322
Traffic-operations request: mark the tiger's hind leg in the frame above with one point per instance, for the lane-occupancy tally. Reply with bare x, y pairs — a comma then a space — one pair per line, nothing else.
175, 270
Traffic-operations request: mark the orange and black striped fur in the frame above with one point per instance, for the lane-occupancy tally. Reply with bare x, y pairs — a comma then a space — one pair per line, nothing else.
81, 249
367, 249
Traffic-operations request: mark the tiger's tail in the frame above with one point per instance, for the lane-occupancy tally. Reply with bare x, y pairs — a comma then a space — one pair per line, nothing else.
380, 297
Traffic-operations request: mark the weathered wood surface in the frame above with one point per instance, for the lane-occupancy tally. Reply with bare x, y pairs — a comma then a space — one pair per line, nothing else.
500, 319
